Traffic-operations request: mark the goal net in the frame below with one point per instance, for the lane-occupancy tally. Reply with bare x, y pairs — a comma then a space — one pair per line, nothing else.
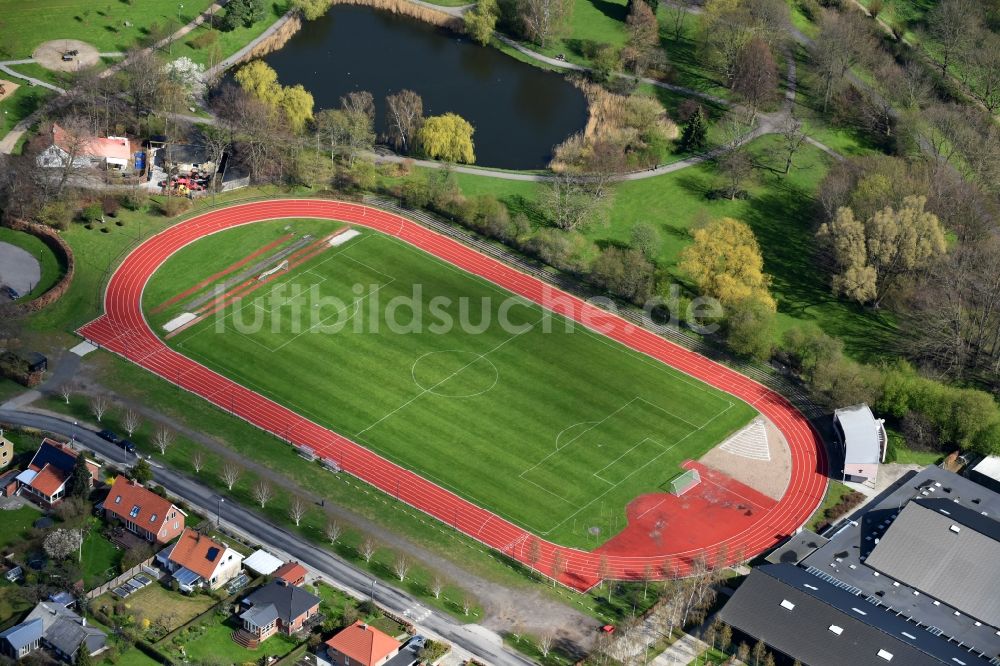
684, 482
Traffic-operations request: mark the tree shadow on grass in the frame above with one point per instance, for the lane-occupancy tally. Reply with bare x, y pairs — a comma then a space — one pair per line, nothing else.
612, 10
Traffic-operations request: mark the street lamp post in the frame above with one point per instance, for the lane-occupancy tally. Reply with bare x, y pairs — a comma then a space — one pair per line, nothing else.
372, 593
218, 517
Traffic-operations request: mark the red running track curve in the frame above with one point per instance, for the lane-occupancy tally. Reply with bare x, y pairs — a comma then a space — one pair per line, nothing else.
123, 330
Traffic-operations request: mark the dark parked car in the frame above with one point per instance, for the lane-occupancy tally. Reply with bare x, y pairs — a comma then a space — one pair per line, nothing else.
109, 436
11, 293
127, 445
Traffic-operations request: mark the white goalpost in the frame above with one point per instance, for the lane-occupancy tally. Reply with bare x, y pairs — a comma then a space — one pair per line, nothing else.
684, 482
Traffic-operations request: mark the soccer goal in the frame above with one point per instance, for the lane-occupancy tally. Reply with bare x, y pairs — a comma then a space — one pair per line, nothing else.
684, 482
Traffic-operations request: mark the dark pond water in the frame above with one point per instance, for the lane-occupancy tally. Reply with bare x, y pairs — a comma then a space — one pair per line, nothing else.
519, 112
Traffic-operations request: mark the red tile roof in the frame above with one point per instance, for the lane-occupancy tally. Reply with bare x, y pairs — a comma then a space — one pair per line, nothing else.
48, 481
192, 552
126, 494
115, 147
290, 572
364, 644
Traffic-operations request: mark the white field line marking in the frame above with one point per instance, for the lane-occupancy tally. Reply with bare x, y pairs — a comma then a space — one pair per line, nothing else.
424, 391
633, 448
638, 469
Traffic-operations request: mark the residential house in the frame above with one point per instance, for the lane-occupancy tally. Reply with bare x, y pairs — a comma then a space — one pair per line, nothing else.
112, 152
56, 627
275, 607
291, 573
21, 639
143, 512
361, 645
197, 560
44, 482
6, 451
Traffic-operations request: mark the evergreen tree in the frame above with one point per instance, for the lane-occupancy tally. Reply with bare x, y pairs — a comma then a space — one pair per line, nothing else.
79, 481
142, 472
694, 138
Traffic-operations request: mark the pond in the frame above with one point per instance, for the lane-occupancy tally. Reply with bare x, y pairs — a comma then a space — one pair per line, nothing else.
519, 112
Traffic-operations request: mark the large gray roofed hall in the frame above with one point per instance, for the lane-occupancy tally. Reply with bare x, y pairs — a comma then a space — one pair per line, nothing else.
946, 551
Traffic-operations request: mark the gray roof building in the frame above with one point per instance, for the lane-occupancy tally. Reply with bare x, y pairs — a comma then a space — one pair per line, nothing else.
844, 559
821, 624
864, 440
289, 602
65, 631
21, 639
946, 551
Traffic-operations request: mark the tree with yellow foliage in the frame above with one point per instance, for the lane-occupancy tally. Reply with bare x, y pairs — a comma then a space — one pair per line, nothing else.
260, 80
725, 262
296, 103
870, 256
447, 137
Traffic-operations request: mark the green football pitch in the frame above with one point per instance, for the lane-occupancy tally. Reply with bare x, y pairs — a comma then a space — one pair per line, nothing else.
538, 419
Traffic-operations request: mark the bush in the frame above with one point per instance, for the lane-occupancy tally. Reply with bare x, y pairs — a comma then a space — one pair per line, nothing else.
92, 213
110, 205
172, 206
56, 214
136, 199
204, 39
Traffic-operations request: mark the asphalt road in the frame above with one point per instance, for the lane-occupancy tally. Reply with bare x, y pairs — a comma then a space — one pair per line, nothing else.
479, 643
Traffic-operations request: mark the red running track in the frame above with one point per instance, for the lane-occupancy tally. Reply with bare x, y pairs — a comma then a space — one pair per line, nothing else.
124, 331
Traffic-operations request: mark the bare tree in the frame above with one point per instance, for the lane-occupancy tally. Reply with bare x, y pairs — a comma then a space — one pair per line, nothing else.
263, 492
677, 11
334, 530
198, 461
545, 642
99, 404
437, 586
604, 572
952, 24
792, 137
755, 77
401, 566
297, 509
647, 576
72, 137
131, 420
404, 112
368, 548
162, 439
467, 604
66, 391
359, 101
844, 39
543, 19
558, 566
231, 473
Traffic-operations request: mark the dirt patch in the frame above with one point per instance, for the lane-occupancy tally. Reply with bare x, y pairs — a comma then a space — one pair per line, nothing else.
769, 477
50, 55
7, 89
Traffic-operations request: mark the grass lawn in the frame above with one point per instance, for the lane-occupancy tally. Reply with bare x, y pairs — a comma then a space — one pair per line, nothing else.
21, 104
132, 657
229, 42
34, 70
12, 602
899, 452
209, 641
835, 491
50, 267
15, 524
158, 604
567, 463
709, 656
780, 209
25, 25
100, 559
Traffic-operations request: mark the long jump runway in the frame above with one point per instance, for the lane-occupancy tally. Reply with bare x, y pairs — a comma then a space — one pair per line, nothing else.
122, 329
